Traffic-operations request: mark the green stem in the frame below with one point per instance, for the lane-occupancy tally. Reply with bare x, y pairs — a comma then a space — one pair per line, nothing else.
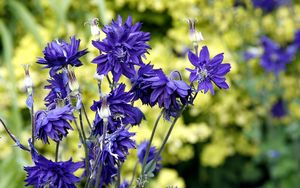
166, 138
119, 175
32, 124
86, 116
84, 144
150, 141
133, 173
13, 137
56, 151
101, 164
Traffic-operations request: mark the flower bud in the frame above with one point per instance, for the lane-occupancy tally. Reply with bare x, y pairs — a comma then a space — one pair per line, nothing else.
73, 83
28, 83
104, 111
95, 30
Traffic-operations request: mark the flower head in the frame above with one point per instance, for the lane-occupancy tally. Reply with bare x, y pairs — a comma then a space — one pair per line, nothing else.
46, 173
59, 54
208, 70
120, 142
141, 87
58, 90
123, 47
120, 111
275, 58
152, 152
53, 123
279, 109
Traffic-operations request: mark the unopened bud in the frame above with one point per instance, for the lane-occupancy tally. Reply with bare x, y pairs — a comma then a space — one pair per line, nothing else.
28, 83
95, 30
195, 35
73, 83
104, 111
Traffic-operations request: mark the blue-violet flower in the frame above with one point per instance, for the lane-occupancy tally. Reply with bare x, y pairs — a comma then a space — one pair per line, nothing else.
208, 70
53, 123
123, 47
59, 54
46, 173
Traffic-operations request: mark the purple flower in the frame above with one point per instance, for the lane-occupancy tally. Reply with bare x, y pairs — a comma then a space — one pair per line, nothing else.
109, 168
53, 123
123, 47
120, 142
208, 70
141, 88
275, 58
59, 54
59, 90
121, 112
279, 109
269, 5
167, 91
46, 173
152, 152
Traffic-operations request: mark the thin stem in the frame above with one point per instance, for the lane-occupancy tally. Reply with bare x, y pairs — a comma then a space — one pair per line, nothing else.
86, 117
99, 86
13, 137
80, 135
103, 145
119, 175
166, 138
84, 143
56, 151
87, 185
133, 173
32, 124
150, 141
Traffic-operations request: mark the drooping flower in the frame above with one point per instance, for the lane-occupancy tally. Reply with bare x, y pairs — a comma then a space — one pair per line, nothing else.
279, 109
53, 123
269, 5
46, 173
120, 142
152, 152
141, 88
121, 112
208, 70
152, 86
123, 47
59, 54
58, 90
274, 57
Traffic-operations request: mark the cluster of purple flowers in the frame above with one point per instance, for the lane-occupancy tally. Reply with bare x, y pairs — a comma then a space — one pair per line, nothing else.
121, 54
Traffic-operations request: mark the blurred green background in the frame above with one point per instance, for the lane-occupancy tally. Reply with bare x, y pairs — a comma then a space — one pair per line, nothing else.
226, 140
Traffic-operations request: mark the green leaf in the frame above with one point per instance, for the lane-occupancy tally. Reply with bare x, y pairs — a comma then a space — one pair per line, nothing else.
149, 168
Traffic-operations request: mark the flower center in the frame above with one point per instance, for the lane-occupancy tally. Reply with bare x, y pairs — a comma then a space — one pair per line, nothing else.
120, 53
202, 74
274, 57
